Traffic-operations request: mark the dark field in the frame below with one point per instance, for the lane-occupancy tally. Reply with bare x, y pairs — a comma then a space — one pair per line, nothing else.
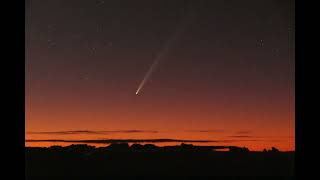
184, 160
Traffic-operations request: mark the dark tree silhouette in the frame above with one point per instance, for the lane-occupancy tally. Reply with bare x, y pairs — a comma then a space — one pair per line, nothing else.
149, 159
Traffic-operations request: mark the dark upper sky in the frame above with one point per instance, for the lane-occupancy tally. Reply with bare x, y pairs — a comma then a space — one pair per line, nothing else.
228, 65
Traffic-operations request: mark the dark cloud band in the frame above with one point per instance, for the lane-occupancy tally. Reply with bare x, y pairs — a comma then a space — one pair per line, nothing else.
92, 132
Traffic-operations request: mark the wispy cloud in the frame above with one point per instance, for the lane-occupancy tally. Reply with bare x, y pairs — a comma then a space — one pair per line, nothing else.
261, 137
244, 132
205, 131
91, 132
108, 141
250, 140
242, 136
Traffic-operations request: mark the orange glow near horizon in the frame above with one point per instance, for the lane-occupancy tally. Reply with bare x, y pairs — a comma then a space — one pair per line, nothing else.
178, 122
264, 128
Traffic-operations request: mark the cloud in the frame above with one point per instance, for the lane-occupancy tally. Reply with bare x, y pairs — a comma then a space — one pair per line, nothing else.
108, 141
92, 132
242, 136
205, 131
262, 137
243, 132
250, 140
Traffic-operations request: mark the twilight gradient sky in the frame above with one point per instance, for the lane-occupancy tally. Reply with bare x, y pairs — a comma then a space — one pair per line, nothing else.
227, 75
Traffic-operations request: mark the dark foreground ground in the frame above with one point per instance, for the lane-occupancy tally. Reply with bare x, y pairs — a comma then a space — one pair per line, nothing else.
82, 160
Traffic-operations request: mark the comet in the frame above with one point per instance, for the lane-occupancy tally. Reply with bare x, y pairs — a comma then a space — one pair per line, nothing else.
162, 53
150, 71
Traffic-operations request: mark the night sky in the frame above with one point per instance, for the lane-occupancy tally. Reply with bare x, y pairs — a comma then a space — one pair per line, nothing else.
224, 71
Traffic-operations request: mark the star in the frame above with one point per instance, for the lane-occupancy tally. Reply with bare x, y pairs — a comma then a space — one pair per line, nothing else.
92, 49
260, 42
108, 43
51, 28
290, 28
100, 2
51, 43
85, 77
275, 51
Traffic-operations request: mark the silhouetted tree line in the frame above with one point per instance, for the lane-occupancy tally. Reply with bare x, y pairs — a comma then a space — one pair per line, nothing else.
124, 147
149, 159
